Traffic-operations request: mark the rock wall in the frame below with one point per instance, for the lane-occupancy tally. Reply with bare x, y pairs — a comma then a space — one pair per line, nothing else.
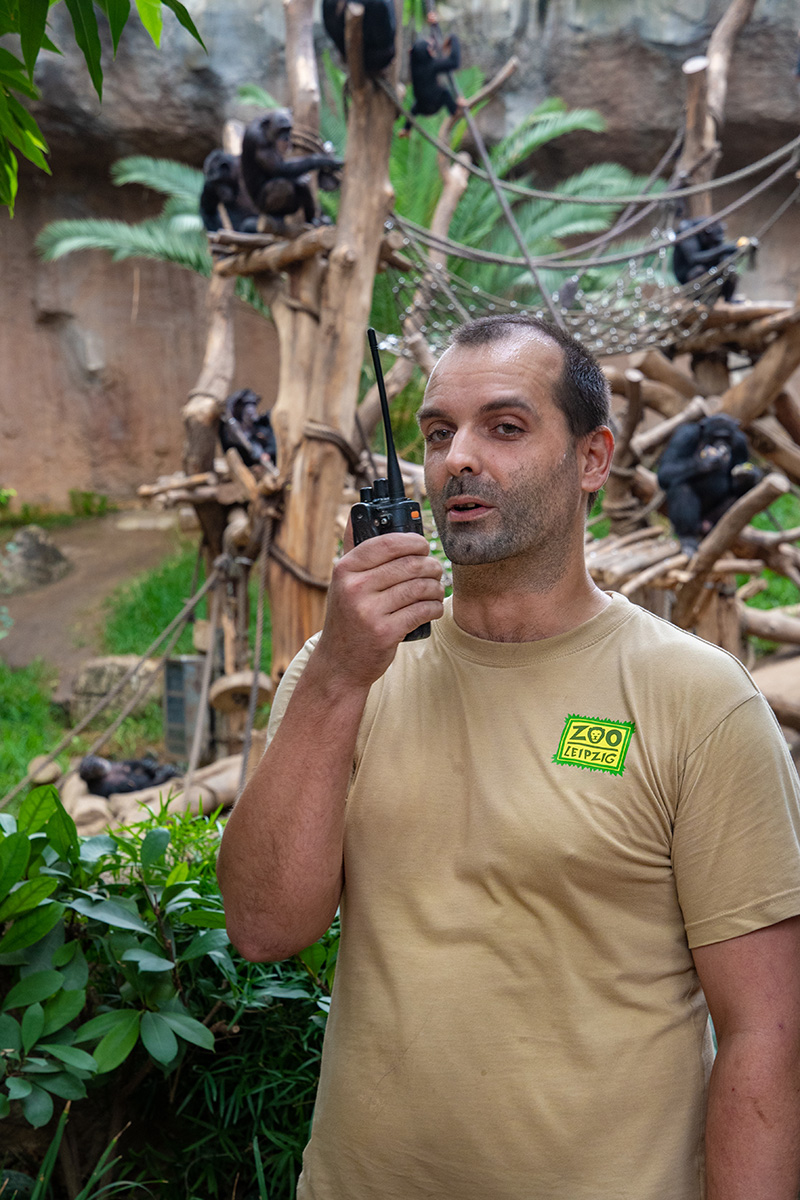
98, 357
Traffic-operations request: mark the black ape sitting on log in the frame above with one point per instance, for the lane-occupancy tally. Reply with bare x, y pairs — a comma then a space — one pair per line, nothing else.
377, 31
429, 94
703, 470
105, 778
222, 186
279, 185
243, 429
696, 254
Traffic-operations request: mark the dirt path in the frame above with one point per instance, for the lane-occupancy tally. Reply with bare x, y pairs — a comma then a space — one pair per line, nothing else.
61, 622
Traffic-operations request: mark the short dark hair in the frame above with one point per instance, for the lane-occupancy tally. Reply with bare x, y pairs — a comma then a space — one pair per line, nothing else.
582, 392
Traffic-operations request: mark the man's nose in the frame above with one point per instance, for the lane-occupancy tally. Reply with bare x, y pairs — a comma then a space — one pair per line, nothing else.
462, 454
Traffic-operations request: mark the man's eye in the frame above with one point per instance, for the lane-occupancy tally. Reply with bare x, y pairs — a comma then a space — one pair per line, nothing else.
438, 434
508, 429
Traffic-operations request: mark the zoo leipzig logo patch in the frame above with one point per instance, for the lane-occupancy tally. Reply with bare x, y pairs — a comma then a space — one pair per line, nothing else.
594, 745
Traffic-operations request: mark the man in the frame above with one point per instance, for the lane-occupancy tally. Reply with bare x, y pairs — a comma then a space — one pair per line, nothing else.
547, 826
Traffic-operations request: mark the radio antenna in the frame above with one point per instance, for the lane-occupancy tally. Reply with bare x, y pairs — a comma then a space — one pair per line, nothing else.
396, 489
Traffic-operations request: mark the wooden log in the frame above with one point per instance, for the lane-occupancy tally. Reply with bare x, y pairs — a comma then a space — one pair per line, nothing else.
725, 313
719, 540
179, 480
787, 413
720, 52
658, 367
773, 624
280, 255
697, 162
769, 438
658, 396
752, 396
619, 502
652, 573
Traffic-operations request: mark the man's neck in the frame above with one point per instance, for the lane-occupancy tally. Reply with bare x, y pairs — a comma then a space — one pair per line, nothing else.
488, 607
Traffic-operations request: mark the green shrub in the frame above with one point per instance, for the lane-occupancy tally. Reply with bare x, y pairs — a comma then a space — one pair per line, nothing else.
120, 992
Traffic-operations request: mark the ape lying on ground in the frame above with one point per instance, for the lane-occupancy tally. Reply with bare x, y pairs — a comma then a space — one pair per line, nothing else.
703, 470
377, 31
222, 186
429, 94
244, 429
105, 778
696, 254
279, 185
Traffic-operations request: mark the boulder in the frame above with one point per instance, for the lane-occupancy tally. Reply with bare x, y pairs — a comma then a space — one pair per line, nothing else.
30, 560
99, 675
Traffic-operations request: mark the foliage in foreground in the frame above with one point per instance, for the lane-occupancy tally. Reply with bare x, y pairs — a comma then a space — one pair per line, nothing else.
120, 993
28, 19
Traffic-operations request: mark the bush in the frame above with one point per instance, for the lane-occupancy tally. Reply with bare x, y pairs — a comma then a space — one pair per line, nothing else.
120, 992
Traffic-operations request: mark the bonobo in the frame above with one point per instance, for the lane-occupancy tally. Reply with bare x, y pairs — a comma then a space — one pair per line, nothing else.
694, 255
243, 429
278, 185
703, 470
429, 94
105, 778
222, 186
377, 31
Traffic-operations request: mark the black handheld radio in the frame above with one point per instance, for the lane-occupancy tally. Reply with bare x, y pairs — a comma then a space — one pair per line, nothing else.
383, 507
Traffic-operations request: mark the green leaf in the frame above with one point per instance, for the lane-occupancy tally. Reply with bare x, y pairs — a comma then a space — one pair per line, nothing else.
204, 918
27, 896
65, 953
37, 1107
71, 1056
65, 1085
18, 1088
178, 874
37, 808
189, 1029
99, 1026
8, 176
152, 19
62, 1009
84, 22
32, 1026
147, 961
62, 832
14, 854
95, 848
32, 21
154, 846
159, 1040
10, 1033
32, 927
117, 12
39, 986
5, 1106
205, 943
110, 912
184, 18
76, 972
117, 1044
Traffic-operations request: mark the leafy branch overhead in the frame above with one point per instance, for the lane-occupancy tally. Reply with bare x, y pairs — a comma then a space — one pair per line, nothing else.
28, 20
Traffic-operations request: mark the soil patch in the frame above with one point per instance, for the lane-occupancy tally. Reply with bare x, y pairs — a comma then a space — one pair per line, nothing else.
61, 623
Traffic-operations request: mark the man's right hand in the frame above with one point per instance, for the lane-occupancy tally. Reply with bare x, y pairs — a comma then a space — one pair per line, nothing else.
381, 590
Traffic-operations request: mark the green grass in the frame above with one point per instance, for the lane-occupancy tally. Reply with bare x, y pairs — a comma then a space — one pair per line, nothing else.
29, 724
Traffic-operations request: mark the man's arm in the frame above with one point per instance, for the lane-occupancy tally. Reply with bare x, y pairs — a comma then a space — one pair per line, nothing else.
752, 985
280, 861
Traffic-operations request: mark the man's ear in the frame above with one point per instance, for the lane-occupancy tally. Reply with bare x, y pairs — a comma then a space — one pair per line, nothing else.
596, 451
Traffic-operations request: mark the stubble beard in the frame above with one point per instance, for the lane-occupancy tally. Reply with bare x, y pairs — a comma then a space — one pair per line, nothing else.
530, 529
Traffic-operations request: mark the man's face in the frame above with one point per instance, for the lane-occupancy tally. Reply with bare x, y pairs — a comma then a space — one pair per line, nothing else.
500, 466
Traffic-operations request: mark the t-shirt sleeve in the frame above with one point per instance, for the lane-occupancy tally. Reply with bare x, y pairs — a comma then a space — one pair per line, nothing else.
736, 837
287, 685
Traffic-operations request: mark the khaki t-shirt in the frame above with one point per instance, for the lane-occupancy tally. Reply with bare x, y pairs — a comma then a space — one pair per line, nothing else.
536, 834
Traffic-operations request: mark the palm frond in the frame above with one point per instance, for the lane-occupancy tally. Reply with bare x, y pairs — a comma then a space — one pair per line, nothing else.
173, 179
251, 93
149, 239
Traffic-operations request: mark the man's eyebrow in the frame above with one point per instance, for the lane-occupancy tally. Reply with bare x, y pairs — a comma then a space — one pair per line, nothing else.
503, 404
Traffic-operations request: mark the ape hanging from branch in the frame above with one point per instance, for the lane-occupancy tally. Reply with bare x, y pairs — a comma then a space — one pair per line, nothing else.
427, 64
703, 470
277, 183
